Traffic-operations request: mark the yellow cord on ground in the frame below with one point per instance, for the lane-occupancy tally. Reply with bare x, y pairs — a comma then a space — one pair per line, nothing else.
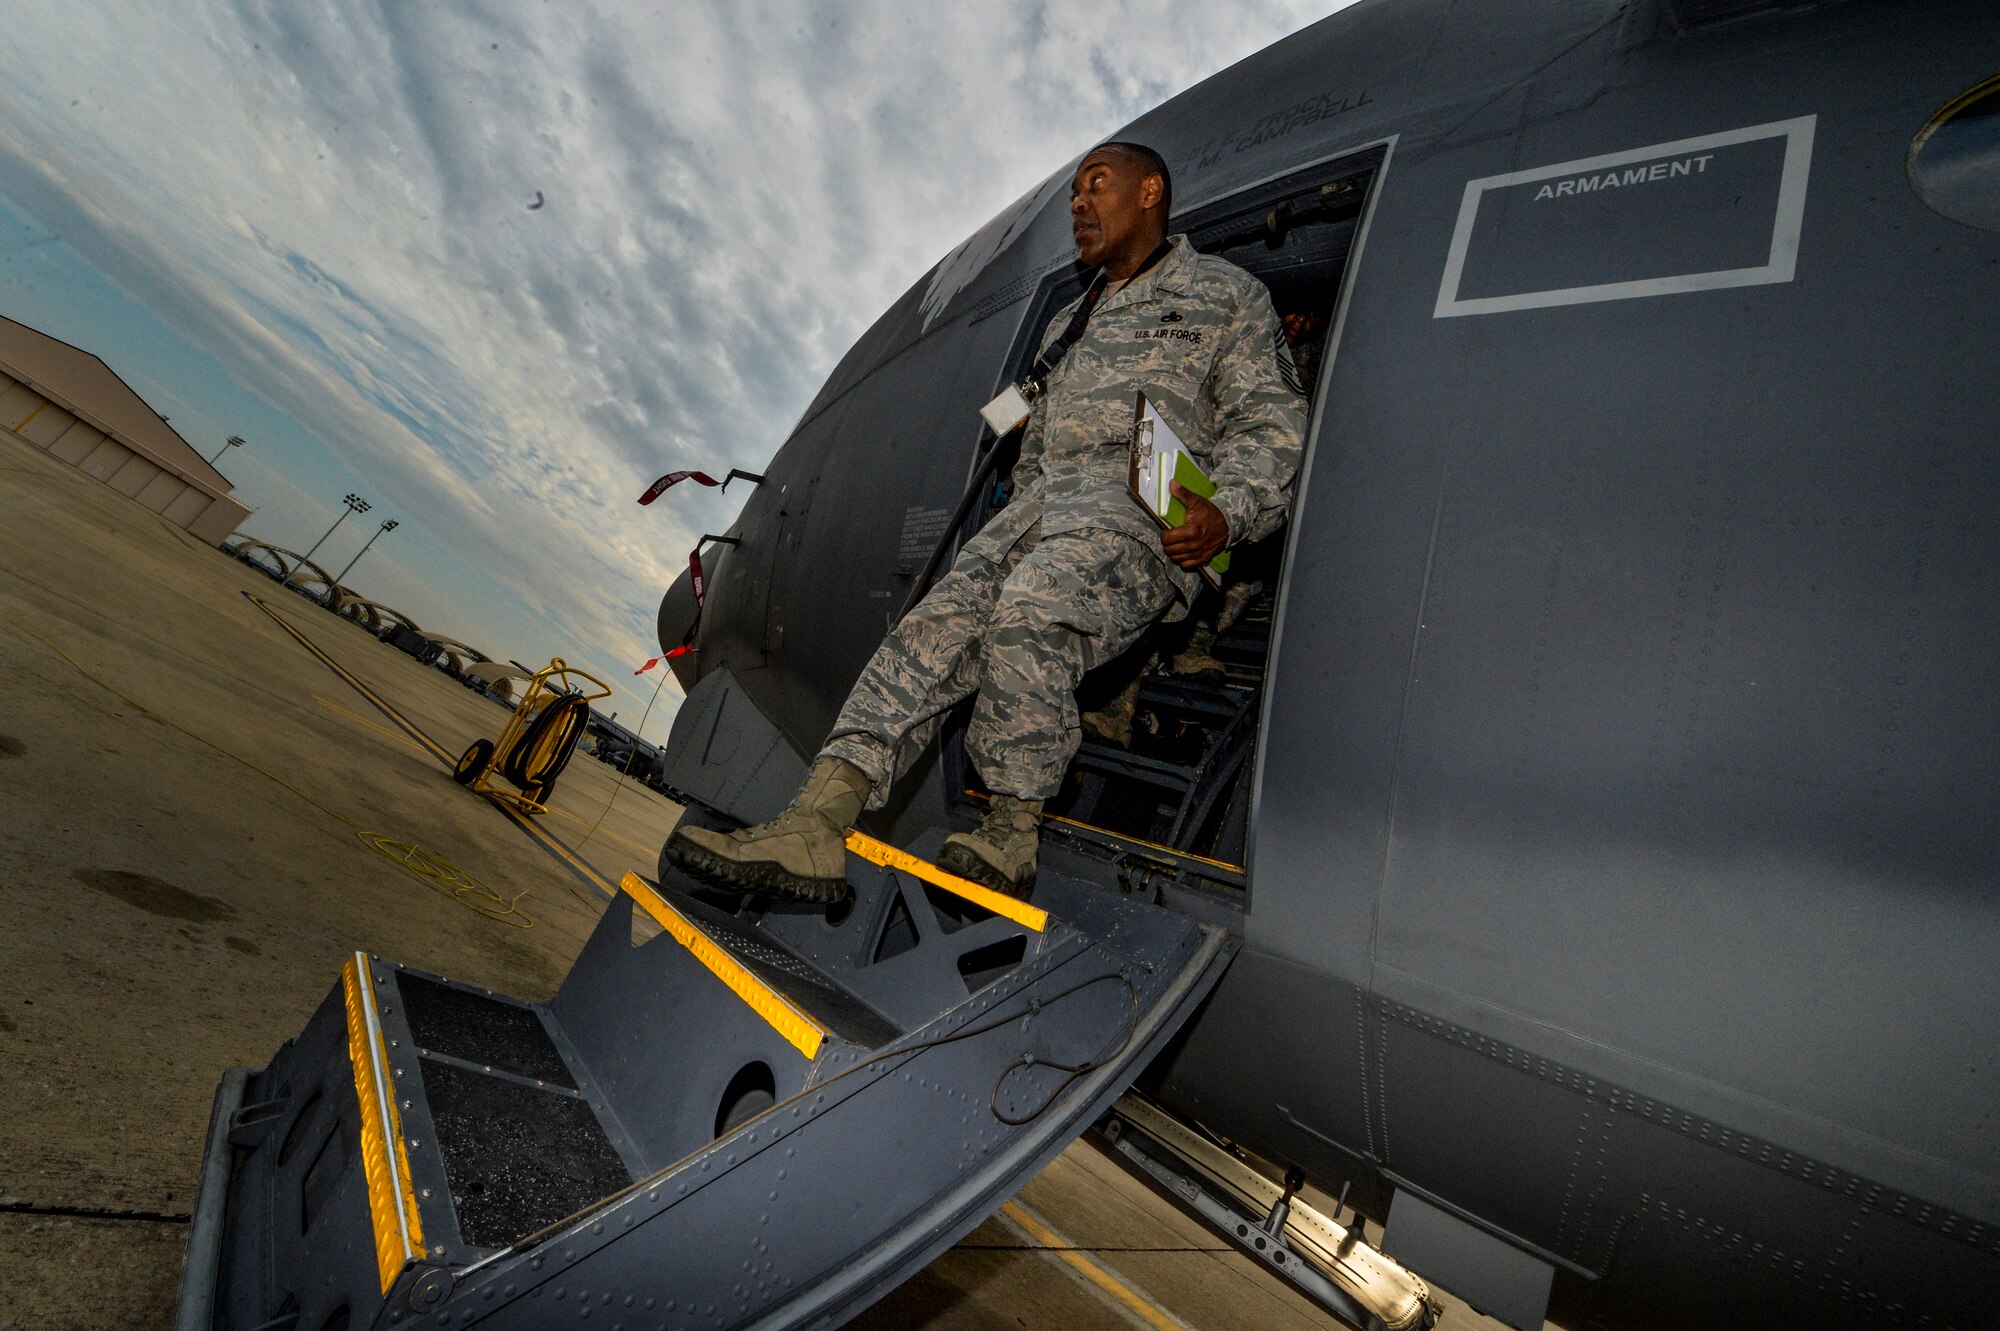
431, 869
437, 872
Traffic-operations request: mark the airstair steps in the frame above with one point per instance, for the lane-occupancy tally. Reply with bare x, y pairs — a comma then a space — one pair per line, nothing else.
765, 1115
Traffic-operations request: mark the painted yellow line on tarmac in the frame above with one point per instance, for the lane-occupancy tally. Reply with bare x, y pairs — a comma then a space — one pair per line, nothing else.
548, 841
554, 845
601, 835
1089, 1270
376, 700
359, 719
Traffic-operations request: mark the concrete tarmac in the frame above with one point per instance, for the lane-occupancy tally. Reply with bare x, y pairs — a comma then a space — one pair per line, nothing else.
190, 806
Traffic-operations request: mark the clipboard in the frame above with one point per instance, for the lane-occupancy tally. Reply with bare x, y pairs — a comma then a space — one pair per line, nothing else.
1159, 457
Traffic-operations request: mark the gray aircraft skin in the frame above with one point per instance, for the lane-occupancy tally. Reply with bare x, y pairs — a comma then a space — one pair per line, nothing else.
1621, 894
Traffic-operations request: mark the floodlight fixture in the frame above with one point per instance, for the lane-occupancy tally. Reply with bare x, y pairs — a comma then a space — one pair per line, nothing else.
388, 526
354, 503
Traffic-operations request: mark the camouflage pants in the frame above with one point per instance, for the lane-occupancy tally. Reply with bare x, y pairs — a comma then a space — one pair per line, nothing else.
1020, 634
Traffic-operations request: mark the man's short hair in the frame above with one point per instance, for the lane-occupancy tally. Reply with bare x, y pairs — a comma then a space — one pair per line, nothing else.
1151, 163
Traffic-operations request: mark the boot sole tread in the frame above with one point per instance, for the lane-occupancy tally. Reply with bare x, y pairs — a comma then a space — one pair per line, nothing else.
966, 864
758, 878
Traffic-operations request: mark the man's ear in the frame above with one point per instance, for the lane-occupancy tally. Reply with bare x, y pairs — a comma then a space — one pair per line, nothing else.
1150, 190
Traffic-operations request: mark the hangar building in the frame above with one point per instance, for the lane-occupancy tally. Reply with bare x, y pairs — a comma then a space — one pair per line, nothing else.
72, 405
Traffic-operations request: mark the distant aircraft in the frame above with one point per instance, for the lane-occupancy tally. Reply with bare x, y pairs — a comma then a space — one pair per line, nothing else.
1595, 784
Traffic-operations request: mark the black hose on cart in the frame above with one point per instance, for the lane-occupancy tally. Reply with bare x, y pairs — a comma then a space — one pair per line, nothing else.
545, 747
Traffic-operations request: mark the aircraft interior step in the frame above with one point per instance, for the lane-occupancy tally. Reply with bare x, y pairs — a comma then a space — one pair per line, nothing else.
1173, 777
730, 1113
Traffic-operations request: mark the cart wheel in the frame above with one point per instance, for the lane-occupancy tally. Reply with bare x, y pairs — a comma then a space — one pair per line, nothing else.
472, 763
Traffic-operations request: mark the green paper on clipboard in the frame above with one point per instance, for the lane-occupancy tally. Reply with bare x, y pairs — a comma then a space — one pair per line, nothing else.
1159, 458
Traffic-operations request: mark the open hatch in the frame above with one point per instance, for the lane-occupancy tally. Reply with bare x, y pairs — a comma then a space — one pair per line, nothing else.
1163, 777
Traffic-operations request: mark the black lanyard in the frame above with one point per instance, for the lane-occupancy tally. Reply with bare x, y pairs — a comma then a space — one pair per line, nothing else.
1039, 375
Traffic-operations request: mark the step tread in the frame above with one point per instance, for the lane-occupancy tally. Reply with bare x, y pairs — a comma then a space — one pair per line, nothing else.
797, 980
480, 1029
516, 1158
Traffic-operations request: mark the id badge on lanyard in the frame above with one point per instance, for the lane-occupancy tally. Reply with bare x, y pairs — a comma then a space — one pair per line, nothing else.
1009, 410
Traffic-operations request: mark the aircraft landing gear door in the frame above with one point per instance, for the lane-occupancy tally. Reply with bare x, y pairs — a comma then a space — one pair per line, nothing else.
758, 1115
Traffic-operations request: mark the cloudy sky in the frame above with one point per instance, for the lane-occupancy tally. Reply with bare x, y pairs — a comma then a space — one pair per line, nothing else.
310, 225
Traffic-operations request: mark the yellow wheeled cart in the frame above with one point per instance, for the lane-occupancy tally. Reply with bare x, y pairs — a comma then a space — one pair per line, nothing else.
539, 738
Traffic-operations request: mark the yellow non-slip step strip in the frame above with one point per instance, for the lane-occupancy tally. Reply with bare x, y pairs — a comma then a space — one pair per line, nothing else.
392, 1204
876, 852
802, 1031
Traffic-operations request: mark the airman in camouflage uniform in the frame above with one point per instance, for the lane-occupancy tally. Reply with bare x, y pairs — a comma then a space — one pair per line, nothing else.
1071, 572
1066, 577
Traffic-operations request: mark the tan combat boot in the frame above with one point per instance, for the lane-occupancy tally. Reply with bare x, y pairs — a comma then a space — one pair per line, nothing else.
800, 855
1000, 852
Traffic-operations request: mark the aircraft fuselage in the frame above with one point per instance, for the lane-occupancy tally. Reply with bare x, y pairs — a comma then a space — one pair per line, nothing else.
1621, 874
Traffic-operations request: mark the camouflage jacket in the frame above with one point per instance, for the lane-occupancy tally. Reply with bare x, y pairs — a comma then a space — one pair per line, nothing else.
1198, 335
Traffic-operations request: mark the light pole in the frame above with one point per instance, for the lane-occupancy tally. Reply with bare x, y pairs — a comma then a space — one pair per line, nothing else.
355, 504
234, 441
388, 526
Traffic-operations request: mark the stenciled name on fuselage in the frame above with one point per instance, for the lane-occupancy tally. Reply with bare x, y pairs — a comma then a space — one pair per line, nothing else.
1631, 175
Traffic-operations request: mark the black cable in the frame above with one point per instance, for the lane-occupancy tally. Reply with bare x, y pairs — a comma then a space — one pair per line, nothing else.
576, 719
557, 717
1074, 1070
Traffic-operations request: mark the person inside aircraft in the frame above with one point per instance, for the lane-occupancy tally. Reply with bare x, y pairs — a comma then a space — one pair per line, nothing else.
1073, 570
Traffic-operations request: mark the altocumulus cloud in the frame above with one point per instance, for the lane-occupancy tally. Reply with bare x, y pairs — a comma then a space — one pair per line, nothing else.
334, 202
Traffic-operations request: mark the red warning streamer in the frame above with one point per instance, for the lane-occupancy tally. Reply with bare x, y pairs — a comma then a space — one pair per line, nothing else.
673, 478
676, 653
700, 581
